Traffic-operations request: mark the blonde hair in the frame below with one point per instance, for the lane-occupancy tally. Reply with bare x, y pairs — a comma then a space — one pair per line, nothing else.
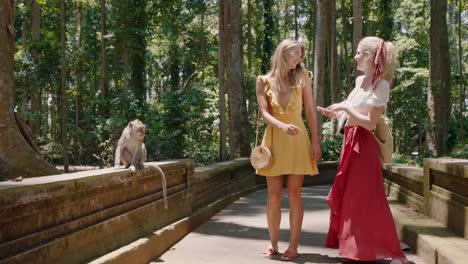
370, 45
279, 69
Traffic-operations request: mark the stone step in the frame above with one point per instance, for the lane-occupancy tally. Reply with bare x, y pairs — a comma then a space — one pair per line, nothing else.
431, 240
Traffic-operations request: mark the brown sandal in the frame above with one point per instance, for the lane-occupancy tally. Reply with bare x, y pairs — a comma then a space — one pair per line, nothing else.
269, 252
287, 257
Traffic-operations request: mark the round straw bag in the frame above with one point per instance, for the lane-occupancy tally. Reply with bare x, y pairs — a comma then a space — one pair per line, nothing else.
261, 157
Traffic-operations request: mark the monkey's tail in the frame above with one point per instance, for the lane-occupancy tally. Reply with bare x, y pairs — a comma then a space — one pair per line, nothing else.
164, 183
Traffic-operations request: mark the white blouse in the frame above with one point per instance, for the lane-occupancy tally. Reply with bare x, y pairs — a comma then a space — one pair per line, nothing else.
363, 100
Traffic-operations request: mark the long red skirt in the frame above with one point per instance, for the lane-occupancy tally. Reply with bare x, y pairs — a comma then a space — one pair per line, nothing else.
361, 224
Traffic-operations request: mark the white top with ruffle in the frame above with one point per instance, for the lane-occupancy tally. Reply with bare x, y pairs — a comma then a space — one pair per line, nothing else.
364, 100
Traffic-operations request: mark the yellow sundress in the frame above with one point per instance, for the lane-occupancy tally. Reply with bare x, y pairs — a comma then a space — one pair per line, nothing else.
292, 154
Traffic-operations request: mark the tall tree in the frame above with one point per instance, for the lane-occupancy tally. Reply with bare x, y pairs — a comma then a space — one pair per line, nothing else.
37, 90
104, 84
24, 29
319, 58
461, 91
63, 83
137, 43
345, 46
35, 20
267, 36
222, 83
357, 27
335, 84
439, 80
238, 123
16, 156
386, 20
249, 34
296, 24
24, 38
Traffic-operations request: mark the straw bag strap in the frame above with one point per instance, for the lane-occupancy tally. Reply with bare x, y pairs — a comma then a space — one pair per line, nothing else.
258, 124
258, 121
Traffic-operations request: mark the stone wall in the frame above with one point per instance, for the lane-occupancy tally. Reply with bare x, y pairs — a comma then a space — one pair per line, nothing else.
446, 193
73, 218
439, 190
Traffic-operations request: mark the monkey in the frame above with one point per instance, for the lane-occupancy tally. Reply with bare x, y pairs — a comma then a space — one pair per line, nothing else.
132, 153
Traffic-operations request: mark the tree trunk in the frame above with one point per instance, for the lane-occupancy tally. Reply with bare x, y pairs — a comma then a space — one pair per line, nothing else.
249, 34
36, 102
345, 46
296, 24
386, 20
267, 36
24, 38
439, 80
104, 85
222, 84
319, 59
125, 90
138, 46
357, 27
335, 85
16, 156
460, 72
238, 122
36, 20
63, 83
24, 29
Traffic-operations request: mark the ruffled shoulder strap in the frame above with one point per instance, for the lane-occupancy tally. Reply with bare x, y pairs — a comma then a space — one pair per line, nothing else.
264, 78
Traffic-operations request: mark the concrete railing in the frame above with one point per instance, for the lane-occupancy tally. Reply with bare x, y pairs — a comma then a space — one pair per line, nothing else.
446, 193
439, 190
73, 218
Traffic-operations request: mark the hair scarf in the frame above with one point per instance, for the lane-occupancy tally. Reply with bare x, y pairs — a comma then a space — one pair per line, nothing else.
379, 61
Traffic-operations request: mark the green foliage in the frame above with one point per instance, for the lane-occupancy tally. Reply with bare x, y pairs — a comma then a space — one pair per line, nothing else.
183, 124
51, 151
459, 151
331, 147
162, 69
408, 109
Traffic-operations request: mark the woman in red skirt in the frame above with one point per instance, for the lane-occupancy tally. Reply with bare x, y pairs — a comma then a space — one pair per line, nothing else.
361, 224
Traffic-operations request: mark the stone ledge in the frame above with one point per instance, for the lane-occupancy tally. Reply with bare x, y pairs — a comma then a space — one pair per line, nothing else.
79, 209
156, 243
445, 193
456, 167
37, 188
432, 241
410, 172
203, 173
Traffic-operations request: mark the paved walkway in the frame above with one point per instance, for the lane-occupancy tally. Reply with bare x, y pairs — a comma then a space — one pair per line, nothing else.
239, 233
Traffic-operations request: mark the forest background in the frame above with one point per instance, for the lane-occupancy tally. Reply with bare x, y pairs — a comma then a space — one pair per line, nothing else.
84, 68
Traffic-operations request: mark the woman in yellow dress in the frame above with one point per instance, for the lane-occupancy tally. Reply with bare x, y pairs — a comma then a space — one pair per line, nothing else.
280, 94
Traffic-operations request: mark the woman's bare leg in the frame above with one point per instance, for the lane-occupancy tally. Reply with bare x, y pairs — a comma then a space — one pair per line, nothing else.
275, 193
296, 212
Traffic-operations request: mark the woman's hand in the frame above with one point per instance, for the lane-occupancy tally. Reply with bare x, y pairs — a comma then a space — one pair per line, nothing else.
337, 107
317, 152
327, 113
290, 129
